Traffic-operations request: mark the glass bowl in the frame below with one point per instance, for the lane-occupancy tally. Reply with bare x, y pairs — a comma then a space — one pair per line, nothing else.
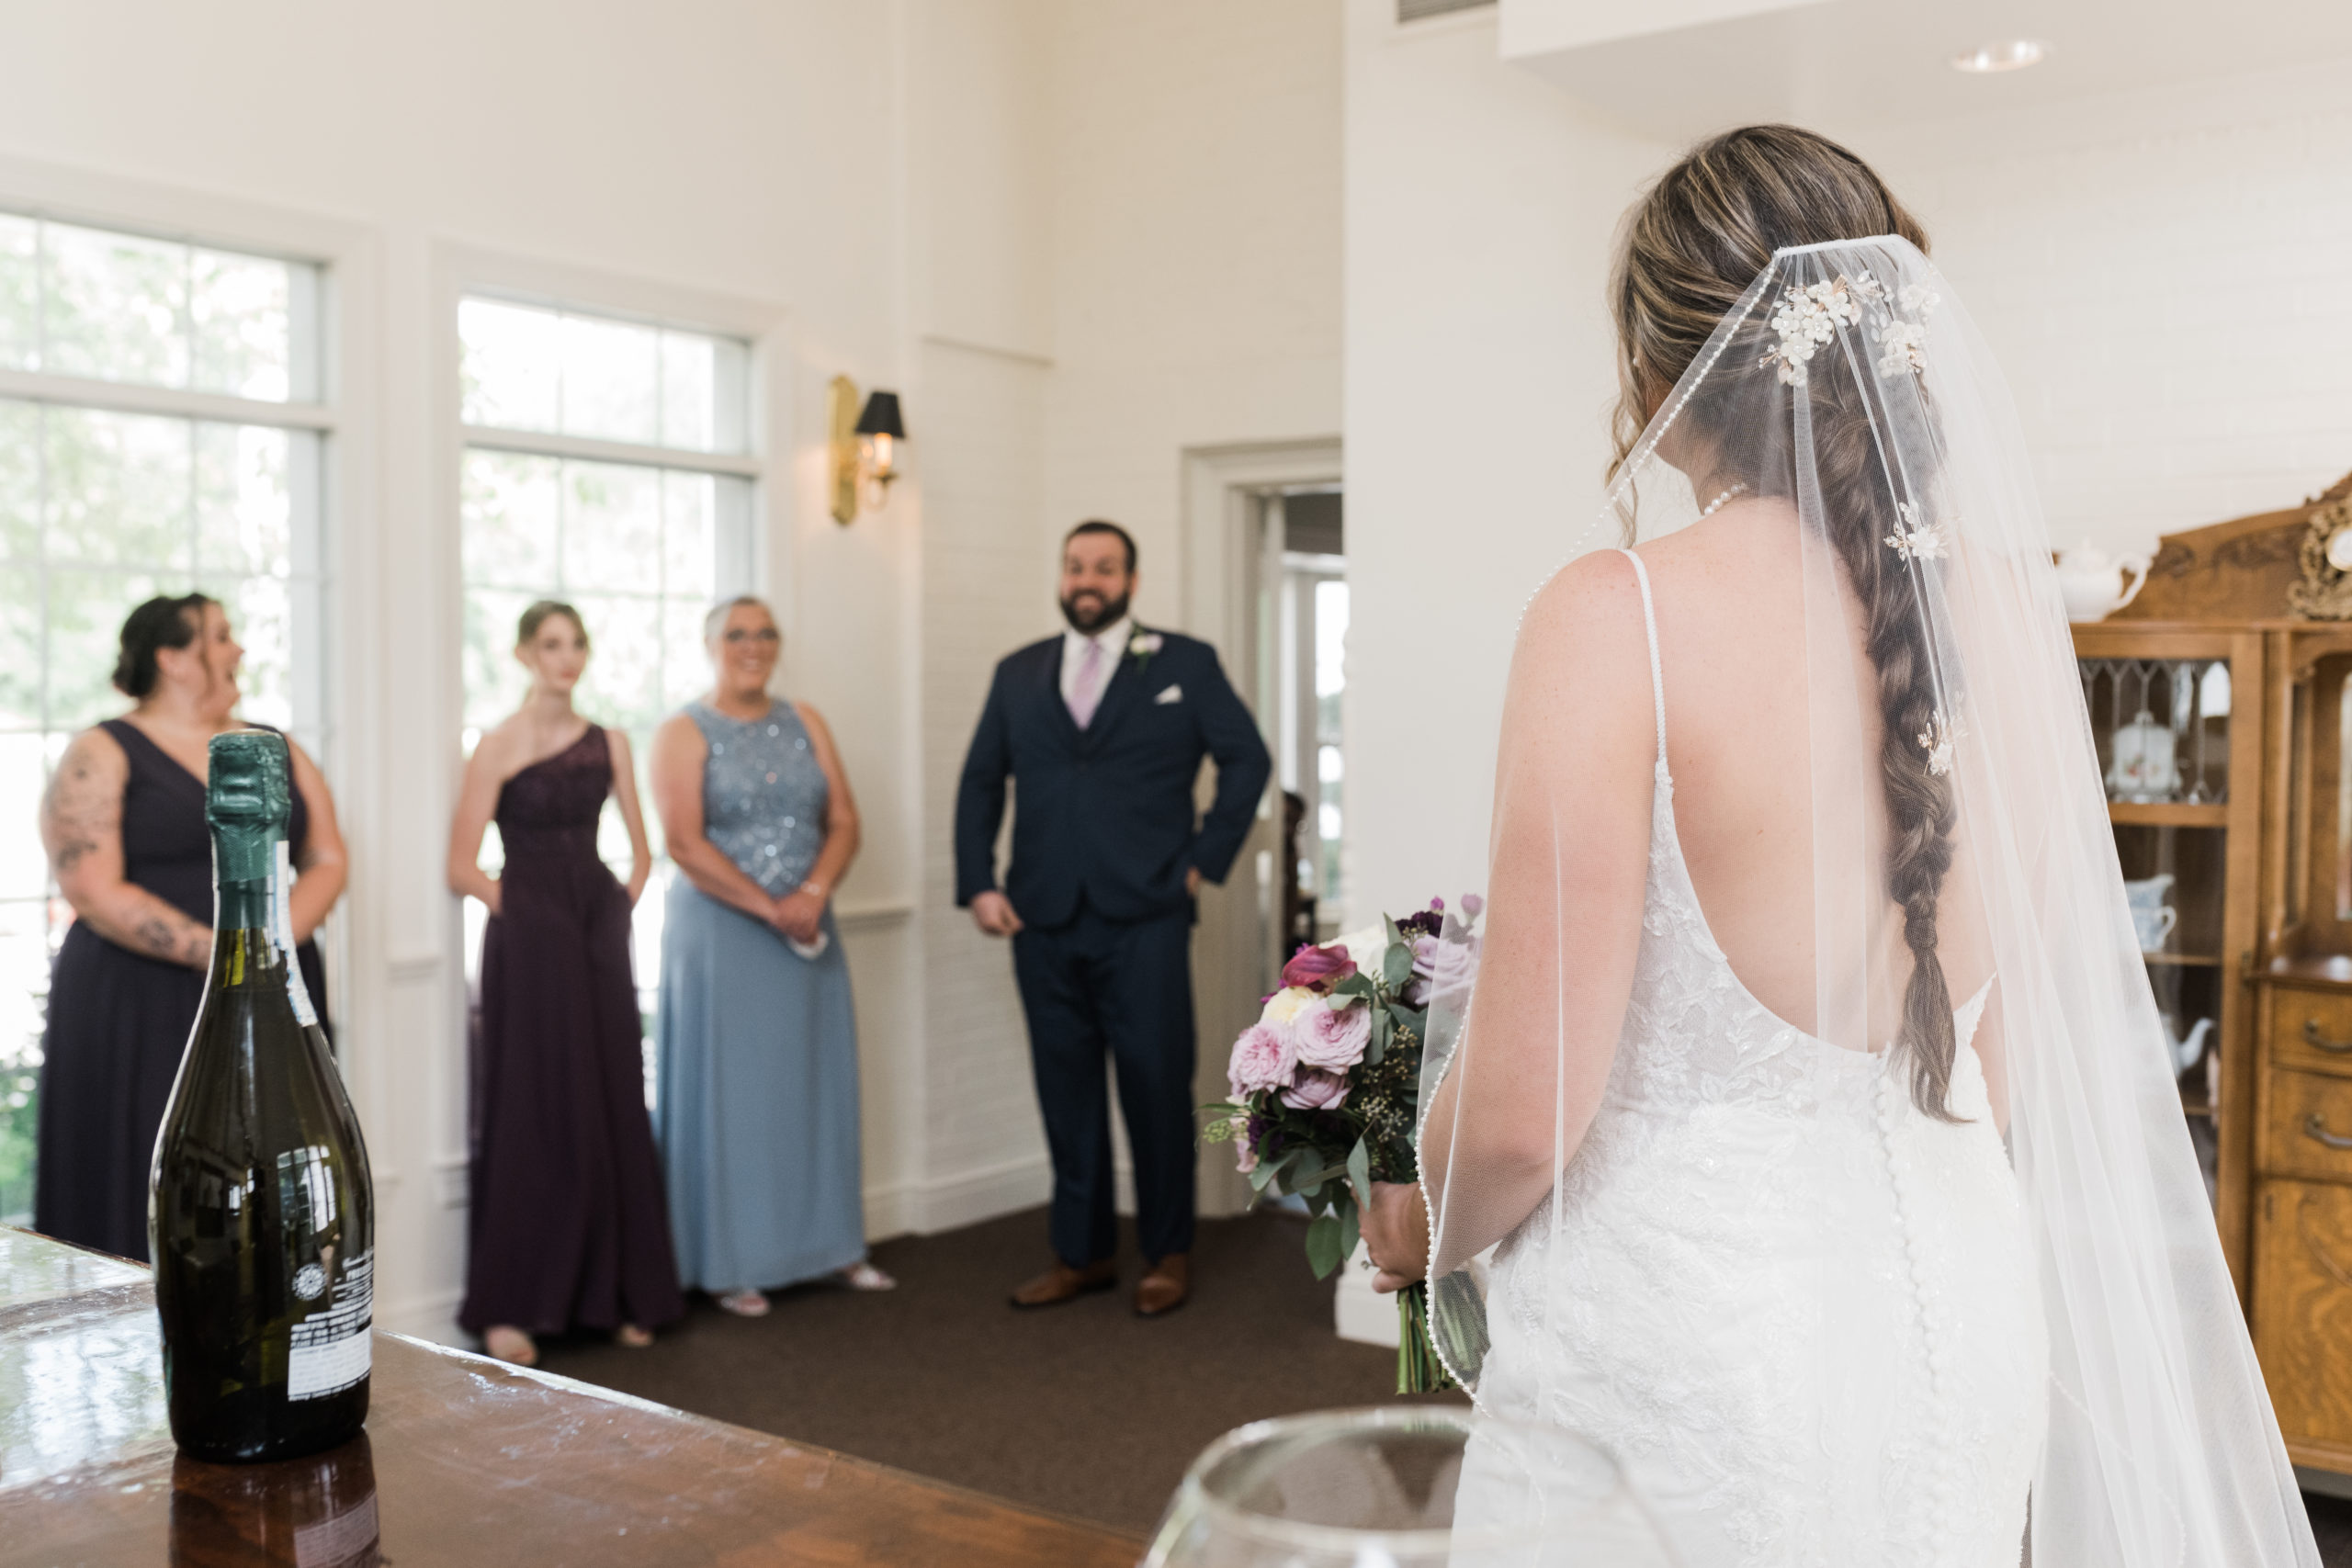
1404, 1487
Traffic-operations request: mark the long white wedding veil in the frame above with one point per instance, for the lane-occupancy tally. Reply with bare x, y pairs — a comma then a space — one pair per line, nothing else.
1957, 808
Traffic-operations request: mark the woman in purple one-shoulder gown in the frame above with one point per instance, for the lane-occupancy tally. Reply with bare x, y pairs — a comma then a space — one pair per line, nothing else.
569, 1225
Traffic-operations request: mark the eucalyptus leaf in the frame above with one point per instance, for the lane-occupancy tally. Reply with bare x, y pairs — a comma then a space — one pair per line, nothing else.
1324, 1251
1396, 965
1350, 1232
1359, 1173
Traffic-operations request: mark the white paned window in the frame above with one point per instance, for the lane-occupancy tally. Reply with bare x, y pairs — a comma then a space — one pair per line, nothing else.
607, 464
162, 429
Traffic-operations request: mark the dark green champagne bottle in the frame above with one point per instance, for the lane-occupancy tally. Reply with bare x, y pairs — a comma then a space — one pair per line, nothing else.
260, 1216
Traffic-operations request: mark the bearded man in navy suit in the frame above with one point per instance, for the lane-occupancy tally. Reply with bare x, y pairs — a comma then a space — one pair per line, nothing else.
1103, 730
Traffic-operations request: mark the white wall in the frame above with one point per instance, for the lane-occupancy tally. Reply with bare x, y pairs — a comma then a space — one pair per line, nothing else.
1479, 368
1196, 277
2159, 274
2162, 277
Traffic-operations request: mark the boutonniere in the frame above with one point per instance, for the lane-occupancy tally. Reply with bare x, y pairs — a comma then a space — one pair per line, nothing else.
1141, 647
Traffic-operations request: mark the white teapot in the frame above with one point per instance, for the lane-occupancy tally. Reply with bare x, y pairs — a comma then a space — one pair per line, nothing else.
2091, 581
2186, 1052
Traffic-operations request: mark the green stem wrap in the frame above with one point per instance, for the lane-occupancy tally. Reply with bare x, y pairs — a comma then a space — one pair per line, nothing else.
1418, 1369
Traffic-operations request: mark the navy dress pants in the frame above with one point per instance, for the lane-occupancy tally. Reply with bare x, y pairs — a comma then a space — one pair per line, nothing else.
1098, 991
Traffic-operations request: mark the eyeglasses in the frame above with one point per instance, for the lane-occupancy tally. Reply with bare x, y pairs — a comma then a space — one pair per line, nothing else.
735, 637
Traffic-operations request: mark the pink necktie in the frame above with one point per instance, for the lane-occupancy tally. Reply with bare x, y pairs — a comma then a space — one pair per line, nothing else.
1086, 694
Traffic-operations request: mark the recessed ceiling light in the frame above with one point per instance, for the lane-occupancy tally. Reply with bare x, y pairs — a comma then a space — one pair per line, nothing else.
2009, 55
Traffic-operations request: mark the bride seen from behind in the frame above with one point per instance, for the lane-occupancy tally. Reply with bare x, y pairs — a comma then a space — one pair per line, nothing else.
1805, 1137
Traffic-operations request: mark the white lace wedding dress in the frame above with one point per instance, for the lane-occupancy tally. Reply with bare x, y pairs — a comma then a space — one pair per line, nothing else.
1801, 1313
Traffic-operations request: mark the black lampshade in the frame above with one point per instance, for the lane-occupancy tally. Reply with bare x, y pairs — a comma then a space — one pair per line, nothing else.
881, 417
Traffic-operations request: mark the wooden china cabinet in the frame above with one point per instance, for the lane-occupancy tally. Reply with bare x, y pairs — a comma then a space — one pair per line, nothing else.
2221, 699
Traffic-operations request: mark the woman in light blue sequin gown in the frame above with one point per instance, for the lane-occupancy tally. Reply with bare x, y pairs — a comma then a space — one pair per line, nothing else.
756, 1106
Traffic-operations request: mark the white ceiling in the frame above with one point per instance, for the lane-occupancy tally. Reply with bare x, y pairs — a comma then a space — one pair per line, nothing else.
1679, 68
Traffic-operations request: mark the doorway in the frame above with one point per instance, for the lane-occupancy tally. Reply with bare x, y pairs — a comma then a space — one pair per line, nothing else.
1310, 617
1240, 593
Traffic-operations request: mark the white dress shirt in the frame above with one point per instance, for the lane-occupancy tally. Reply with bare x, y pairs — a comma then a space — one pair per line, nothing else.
1114, 641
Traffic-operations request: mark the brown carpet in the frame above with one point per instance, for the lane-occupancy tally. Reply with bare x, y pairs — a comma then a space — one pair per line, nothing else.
1083, 1409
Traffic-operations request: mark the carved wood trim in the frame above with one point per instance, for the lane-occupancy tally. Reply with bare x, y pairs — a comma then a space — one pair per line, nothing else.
2243, 569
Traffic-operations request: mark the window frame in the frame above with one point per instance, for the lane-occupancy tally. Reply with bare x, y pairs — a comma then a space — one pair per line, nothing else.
766, 463
341, 416
317, 417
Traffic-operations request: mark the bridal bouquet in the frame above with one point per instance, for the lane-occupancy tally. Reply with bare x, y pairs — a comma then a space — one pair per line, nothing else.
1326, 1087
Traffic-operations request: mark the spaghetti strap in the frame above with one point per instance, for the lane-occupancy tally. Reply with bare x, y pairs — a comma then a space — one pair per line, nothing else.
1649, 623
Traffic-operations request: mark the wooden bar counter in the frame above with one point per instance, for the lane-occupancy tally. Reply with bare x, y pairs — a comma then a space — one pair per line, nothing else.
465, 1461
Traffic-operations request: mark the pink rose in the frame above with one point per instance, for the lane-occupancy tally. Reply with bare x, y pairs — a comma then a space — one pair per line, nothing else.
1315, 1091
1333, 1038
1318, 968
1425, 960
1265, 1057
1441, 969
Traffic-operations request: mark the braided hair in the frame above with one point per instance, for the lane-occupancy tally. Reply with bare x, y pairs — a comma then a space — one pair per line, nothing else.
1689, 250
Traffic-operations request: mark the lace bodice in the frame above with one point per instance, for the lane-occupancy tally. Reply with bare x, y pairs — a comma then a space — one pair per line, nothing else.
763, 795
1800, 1311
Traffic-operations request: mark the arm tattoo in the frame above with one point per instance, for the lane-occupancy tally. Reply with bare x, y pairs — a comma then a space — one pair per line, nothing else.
155, 934
71, 853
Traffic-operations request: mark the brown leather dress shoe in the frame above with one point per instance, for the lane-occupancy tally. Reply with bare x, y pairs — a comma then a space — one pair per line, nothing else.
1164, 1287
1062, 1283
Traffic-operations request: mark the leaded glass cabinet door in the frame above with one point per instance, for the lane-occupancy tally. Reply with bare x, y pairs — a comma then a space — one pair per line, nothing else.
2175, 715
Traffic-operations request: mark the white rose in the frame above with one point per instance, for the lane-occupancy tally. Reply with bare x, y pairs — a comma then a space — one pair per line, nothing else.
1367, 947
1286, 1004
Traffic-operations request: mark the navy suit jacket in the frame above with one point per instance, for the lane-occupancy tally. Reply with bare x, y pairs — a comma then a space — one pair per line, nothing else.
1106, 812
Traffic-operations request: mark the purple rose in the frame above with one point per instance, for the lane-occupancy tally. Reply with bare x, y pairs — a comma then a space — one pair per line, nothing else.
1318, 968
1315, 1091
1332, 1039
1263, 1058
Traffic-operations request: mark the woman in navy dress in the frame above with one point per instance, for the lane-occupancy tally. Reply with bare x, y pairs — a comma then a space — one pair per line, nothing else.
567, 1225
757, 1093
123, 822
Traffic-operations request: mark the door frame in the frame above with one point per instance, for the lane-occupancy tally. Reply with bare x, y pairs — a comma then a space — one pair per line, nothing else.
1237, 950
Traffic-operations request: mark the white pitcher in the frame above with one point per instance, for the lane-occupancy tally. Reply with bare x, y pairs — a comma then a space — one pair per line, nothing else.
2092, 581
2152, 917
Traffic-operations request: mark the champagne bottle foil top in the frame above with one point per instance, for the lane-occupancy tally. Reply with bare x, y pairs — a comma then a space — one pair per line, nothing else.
247, 800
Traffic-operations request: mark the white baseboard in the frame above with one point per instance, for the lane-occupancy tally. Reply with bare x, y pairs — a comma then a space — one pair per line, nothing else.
432, 1317
950, 1203
1361, 1313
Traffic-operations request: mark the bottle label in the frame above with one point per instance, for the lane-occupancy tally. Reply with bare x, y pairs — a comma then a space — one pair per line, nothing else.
296, 992
331, 1349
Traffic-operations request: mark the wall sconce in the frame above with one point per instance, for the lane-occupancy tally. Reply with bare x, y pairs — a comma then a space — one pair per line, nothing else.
865, 441
880, 431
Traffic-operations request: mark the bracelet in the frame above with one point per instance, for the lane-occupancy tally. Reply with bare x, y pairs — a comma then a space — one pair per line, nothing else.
814, 888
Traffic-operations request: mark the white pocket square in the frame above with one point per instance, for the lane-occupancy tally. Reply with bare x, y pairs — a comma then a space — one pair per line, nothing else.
1173, 694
